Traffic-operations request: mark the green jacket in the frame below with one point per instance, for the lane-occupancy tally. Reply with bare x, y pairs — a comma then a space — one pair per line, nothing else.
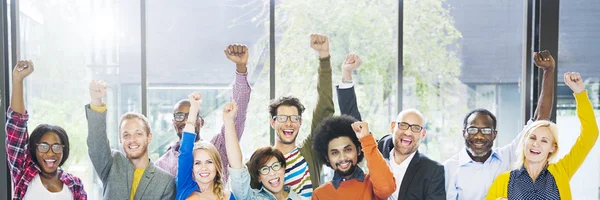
324, 109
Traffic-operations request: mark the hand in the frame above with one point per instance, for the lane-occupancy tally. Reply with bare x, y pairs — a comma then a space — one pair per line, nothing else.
238, 53
22, 70
97, 92
195, 99
351, 63
574, 81
361, 129
229, 111
543, 60
320, 43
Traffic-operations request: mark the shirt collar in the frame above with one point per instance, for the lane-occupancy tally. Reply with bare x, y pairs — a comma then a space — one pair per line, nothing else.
406, 162
263, 190
359, 175
464, 158
174, 146
523, 172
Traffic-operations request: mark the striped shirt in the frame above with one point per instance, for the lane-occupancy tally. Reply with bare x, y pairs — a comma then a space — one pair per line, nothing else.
297, 175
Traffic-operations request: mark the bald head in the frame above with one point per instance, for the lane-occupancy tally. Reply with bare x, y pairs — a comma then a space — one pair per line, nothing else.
415, 116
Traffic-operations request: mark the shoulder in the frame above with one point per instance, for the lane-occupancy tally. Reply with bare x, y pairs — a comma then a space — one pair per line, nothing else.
161, 174
323, 188
427, 162
451, 161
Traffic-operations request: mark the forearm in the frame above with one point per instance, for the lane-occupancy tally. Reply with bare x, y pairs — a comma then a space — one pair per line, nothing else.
97, 142
324, 107
241, 95
234, 153
190, 126
546, 98
382, 178
17, 102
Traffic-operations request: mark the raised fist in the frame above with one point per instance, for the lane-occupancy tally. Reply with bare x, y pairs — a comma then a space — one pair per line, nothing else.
195, 99
351, 63
543, 59
361, 129
574, 81
22, 70
320, 43
97, 92
238, 53
229, 111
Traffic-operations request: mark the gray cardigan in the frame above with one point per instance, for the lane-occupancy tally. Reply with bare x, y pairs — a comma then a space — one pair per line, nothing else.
116, 171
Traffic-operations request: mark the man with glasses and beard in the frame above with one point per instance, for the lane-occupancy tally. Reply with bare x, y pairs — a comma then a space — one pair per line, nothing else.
241, 95
417, 176
471, 172
342, 142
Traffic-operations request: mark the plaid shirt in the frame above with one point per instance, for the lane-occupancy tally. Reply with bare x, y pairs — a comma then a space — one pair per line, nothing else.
241, 94
22, 168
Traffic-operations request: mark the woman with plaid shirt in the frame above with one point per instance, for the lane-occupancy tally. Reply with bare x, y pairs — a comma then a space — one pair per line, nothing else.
34, 161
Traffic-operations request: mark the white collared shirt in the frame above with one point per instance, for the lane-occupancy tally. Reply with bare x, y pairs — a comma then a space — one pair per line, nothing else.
399, 170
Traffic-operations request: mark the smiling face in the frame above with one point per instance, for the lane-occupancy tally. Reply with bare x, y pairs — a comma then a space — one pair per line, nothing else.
479, 144
204, 168
49, 160
274, 178
343, 156
406, 137
134, 138
539, 145
286, 131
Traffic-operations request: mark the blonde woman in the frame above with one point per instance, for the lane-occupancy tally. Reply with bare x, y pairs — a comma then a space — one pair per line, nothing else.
537, 176
201, 159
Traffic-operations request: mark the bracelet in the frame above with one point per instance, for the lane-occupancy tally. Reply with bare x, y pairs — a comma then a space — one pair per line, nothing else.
347, 81
192, 123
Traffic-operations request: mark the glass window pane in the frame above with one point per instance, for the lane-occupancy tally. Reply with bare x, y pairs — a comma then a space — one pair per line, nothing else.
455, 61
578, 43
367, 29
72, 43
185, 45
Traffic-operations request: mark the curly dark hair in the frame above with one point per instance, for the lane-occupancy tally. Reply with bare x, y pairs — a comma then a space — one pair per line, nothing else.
331, 128
42, 130
285, 101
259, 159
482, 111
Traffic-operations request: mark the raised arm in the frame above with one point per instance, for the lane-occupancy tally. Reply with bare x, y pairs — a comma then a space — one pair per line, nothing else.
345, 91
545, 61
184, 181
97, 139
384, 183
324, 107
238, 54
16, 123
589, 127
240, 177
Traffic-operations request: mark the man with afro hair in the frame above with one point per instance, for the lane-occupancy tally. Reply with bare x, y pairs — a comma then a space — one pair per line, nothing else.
342, 142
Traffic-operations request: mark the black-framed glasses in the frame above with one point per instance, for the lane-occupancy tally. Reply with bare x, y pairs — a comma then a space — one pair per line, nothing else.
413, 127
276, 166
45, 147
181, 116
284, 118
475, 130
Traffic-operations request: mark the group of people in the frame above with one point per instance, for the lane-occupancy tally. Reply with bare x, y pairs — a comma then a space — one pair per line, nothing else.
193, 168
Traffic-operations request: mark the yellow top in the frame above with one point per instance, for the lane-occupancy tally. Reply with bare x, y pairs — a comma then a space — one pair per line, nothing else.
565, 168
99, 109
137, 176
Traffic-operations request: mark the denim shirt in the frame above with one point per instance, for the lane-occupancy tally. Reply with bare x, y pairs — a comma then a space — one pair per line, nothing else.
358, 174
240, 184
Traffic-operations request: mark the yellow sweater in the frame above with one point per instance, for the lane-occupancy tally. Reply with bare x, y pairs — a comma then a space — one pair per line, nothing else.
565, 168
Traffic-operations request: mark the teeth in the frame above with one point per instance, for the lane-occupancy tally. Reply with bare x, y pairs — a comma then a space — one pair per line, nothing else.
134, 147
534, 151
274, 181
204, 174
50, 160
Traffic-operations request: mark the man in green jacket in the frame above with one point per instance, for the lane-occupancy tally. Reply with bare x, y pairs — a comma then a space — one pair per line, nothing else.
303, 168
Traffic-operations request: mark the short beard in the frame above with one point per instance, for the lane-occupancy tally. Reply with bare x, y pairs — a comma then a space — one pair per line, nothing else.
476, 154
346, 173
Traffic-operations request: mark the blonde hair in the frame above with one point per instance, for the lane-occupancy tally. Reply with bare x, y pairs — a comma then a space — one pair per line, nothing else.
134, 115
527, 132
218, 183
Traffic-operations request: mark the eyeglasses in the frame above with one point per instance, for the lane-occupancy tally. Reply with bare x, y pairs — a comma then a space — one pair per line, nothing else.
45, 147
475, 130
284, 118
266, 169
413, 127
180, 116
